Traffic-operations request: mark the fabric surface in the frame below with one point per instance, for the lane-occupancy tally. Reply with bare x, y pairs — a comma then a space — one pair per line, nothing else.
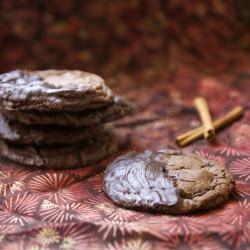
46, 209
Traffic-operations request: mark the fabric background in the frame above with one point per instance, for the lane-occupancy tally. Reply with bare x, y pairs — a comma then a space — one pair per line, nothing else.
108, 36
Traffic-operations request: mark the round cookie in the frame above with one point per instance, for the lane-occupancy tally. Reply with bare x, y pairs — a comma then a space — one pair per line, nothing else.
53, 90
19, 133
61, 156
167, 181
116, 110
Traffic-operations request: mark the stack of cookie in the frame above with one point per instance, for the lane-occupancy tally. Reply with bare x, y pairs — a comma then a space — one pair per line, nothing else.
55, 118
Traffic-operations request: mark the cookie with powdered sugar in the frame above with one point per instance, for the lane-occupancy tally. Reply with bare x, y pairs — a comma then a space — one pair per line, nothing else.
19, 133
60, 156
53, 90
91, 117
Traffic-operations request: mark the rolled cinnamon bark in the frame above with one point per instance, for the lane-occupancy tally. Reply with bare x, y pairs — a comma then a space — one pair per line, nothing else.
197, 133
204, 113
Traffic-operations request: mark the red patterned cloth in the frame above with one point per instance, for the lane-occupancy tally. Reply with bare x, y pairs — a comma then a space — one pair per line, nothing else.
46, 209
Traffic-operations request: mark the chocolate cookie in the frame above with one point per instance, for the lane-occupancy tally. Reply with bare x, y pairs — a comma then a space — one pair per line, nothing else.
19, 133
53, 90
167, 181
117, 109
61, 156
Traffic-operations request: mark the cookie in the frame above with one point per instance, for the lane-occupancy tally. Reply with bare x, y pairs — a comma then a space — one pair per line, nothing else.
60, 156
167, 181
53, 90
19, 133
117, 109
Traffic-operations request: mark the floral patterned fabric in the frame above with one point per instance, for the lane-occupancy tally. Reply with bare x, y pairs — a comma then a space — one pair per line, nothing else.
46, 209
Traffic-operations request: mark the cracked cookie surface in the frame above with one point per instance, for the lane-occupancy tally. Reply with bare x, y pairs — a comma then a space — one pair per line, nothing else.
167, 181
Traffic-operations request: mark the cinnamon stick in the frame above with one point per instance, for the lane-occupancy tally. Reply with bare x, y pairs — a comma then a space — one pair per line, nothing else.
203, 110
197, 133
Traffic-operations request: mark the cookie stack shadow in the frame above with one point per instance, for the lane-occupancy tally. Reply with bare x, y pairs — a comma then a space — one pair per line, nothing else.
57, 118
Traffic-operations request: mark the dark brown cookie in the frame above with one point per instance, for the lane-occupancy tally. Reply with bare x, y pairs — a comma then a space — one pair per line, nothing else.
117, 109
19, 133
61, 156
167, 181
53, 90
